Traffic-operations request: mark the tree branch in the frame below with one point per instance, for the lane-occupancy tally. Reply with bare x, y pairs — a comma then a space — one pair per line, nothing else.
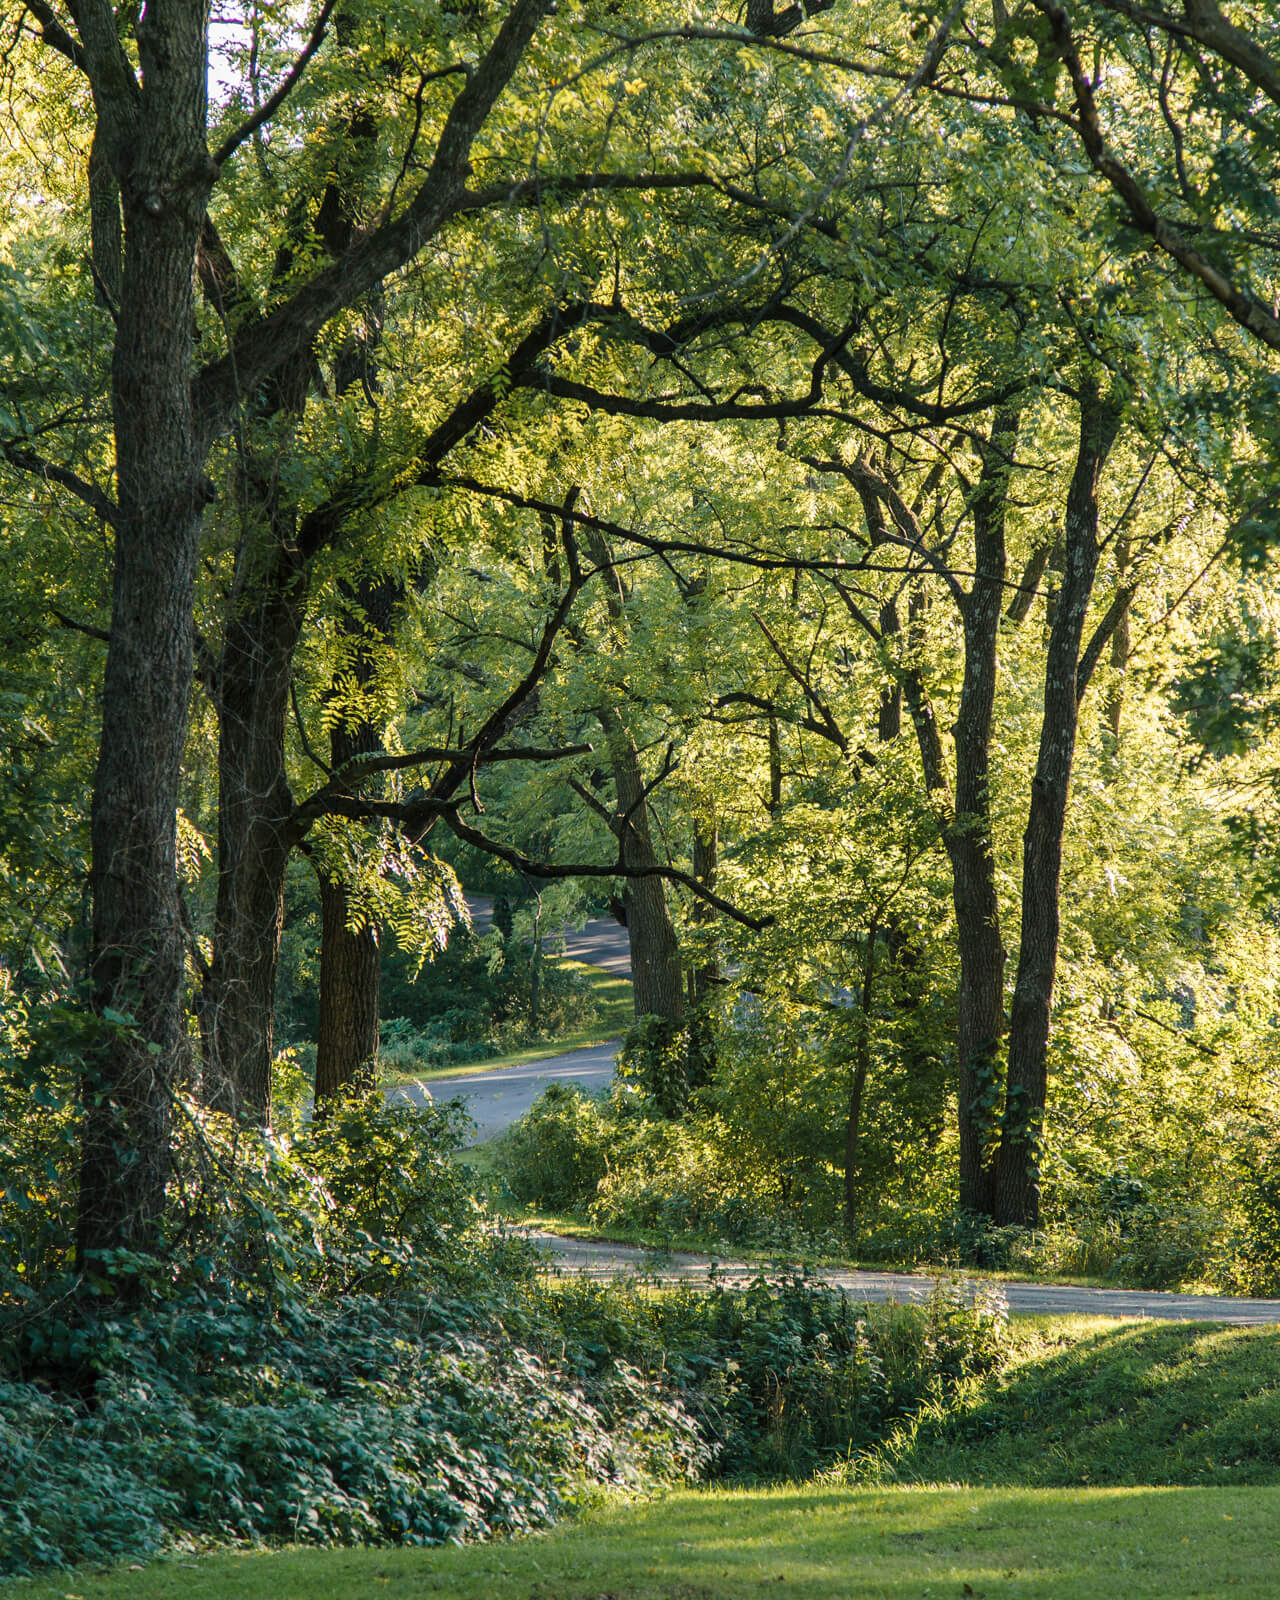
582, 869
31, 461
272, 104
1251, 314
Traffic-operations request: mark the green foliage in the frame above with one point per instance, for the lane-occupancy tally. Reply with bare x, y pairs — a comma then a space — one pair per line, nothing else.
413, 1420
333, 1356
789, 1375
558, 1152
656, 1057
474, 1000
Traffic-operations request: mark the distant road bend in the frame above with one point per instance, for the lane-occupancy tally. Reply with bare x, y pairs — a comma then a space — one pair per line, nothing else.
497, 1099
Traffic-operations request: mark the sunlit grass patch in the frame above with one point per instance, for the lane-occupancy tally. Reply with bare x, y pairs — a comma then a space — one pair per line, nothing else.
789, 1544
1092, 1403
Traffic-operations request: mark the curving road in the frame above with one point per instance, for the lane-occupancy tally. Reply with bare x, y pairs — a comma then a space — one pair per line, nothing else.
497, 1099
600, 1259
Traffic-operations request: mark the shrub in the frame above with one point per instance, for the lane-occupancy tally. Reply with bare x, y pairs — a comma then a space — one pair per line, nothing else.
557, 1153
789, 1375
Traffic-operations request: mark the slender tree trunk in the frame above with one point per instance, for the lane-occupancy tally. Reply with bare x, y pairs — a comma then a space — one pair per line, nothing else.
1018, 1190
656, 974
966, 816
655, 952
256, 833
1113, 705
351, 956
156, 150
350, 997
858, 1087
980, 1019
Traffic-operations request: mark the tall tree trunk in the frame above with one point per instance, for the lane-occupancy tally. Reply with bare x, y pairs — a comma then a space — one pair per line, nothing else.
656, 974
980, 1018
256, 832
350, 997
156, 148
351, 956
965, 817
1018, 1189
858, 1086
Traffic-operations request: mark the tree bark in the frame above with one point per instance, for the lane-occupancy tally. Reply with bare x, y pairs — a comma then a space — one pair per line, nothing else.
256, 831
156, 149
351, 956
350, 997
1018, 1187
980, 1019
655, 952
965, 817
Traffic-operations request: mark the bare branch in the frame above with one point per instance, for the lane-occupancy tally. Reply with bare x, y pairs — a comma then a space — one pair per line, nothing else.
583, 869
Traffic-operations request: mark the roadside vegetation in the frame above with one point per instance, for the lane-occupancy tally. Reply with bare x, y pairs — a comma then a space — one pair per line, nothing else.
725, 1177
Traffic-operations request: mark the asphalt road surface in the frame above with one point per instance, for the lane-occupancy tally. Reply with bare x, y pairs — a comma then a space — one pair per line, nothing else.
497, 1099
602, 942
605, 1260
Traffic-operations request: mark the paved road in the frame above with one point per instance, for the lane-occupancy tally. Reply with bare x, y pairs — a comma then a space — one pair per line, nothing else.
602, 942
497, 1099
604, 1260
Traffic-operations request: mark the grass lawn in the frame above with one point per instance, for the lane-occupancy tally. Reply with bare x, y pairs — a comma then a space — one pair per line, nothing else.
786, 1544
615, 1012
1086, 1401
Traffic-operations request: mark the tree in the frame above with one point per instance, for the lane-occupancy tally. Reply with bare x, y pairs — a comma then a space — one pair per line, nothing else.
154, 171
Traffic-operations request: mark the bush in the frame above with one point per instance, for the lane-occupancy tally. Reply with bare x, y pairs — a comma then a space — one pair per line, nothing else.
411, 1422
557, 1153
250, 1385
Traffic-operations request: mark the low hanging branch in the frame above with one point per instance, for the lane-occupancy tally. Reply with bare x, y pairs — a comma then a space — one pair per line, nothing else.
589, 869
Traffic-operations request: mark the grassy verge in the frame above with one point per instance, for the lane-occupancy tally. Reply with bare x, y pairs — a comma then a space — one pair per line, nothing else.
614, 1006
1086, 1402
789, 1544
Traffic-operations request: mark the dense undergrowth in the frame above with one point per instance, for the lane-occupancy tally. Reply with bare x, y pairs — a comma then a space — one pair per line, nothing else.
337, 1346
479, 997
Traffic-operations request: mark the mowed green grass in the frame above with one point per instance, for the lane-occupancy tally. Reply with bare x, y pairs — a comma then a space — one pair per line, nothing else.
1091, 1402
787, 1544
